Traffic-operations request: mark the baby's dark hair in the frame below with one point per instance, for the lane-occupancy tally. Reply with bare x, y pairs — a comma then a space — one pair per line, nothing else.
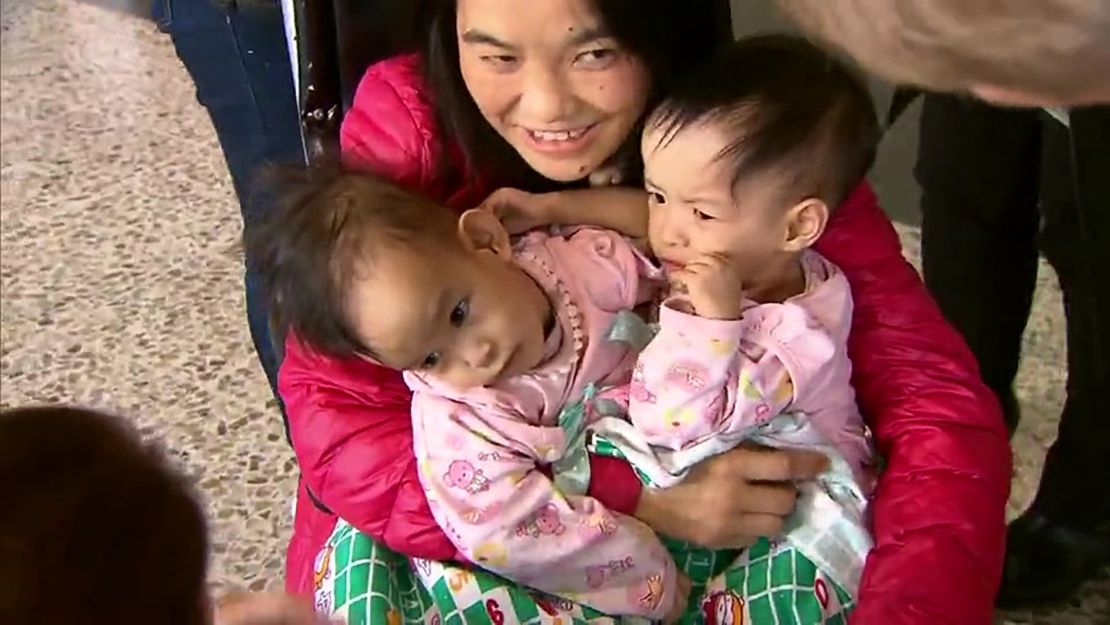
327, 225
785, 106
97, 526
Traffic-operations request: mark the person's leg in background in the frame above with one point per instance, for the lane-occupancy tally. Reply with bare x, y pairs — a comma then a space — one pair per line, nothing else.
239, 61
978, 169
1065, 535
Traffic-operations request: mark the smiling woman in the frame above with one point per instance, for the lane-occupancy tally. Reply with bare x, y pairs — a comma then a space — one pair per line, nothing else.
565, 88
561, 90
540, 95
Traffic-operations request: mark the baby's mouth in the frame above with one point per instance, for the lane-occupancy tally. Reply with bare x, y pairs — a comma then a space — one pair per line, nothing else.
670, 267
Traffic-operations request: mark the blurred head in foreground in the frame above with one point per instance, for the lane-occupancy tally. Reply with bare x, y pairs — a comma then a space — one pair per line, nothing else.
1017, 52
97, 526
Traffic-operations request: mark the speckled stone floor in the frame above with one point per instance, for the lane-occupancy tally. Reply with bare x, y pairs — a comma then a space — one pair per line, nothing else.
121, 282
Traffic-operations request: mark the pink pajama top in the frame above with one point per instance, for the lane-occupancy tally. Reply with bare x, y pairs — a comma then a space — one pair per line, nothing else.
484, 454
714, 381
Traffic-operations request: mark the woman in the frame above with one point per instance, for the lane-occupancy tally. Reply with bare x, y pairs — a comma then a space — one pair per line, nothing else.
553, 95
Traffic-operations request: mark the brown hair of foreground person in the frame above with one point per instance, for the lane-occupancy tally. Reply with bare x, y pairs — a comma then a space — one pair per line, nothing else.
96, 527
1023, 52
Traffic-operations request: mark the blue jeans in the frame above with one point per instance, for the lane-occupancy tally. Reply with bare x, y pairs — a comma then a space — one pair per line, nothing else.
239, 62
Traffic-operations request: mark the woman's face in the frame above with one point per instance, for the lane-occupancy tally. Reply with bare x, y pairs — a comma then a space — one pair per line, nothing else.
551, 80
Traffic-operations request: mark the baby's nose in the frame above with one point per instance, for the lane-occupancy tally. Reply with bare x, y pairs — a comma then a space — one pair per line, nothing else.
670, 233
479, 353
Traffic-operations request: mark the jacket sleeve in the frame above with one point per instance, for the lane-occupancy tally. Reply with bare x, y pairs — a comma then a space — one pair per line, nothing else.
348, 419
704, 376
388, 129
939, 508
482, 476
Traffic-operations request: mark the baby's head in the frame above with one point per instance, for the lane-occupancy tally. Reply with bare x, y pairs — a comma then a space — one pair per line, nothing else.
97, 527
750, 156
359, 266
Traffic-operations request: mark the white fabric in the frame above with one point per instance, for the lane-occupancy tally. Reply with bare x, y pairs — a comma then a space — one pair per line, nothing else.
829, 522
289, 20
288, 14
1060, 115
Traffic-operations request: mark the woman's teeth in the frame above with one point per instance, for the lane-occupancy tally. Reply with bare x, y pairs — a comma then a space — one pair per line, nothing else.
558, 135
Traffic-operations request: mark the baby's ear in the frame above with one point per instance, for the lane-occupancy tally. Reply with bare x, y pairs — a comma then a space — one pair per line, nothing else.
481, 231
805, 223
370, 358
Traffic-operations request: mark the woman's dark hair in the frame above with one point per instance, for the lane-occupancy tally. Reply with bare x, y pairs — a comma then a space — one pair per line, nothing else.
669, 36
98, 526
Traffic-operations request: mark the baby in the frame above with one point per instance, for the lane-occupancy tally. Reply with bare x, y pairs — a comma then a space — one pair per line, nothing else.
100, 528
743, 167
505, 345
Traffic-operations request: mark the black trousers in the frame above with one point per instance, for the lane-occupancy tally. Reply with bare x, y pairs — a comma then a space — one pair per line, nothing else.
999, 185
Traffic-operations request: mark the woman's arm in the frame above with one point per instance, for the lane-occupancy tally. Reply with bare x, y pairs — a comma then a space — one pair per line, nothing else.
624, 209
348, 418
938, 511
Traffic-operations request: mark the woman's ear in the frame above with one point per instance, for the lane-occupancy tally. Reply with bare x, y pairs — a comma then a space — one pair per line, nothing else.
805, 223
481, 231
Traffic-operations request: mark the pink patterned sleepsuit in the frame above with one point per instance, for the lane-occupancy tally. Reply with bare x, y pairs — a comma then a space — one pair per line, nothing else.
703, 385
484, 453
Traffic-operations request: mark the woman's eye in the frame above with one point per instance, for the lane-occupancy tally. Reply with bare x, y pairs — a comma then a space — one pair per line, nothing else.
596, 59
431, 361
656, 198
499, 61
460, 312
700, 216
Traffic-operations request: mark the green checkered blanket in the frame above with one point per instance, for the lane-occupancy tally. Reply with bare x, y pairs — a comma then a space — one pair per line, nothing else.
367, 584
770, 583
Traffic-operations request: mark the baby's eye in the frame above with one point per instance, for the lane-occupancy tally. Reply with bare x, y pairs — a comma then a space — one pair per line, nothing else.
431, 361
656, 198
460, 312
701, 216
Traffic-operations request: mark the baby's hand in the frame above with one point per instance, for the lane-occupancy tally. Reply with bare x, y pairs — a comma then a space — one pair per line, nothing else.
712, 287
681, 598
519, 211
267, 609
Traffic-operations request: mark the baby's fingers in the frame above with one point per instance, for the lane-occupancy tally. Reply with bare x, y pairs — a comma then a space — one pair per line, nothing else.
267, 609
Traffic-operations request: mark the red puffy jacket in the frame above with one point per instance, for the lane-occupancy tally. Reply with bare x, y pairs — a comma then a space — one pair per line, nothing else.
939, 507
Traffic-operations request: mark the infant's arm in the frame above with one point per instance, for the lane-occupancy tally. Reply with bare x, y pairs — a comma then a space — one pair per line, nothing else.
701, 377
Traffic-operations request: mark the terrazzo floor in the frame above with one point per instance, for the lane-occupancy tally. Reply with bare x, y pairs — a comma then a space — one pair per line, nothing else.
120, 279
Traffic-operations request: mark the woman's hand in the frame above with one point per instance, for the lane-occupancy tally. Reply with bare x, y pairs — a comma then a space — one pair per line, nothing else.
730, 500
520, 211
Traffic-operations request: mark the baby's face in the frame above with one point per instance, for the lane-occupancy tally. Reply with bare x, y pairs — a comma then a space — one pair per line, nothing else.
467, 317
695, 211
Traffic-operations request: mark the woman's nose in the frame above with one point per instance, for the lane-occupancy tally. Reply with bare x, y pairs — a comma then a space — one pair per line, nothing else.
545, 97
